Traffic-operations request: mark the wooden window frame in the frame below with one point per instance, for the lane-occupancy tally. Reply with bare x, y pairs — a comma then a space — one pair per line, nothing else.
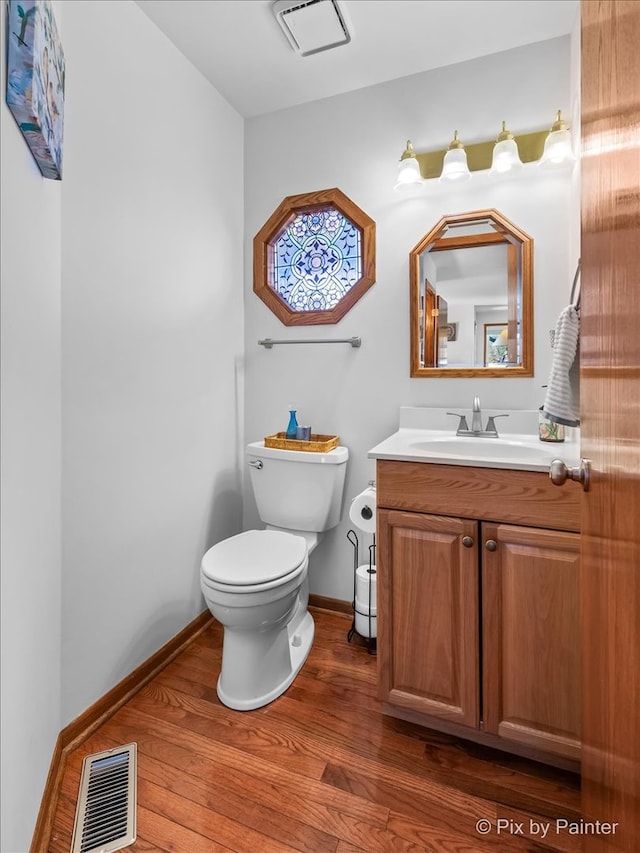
263, 242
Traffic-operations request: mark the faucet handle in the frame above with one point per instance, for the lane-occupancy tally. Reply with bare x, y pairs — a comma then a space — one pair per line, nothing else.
491, 423
463, 421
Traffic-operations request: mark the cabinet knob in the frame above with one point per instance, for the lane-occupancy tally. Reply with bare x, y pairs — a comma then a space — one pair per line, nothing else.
491, 545
467, 541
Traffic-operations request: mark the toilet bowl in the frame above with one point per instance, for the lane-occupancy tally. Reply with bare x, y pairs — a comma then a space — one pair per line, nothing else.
256, 583
251, 583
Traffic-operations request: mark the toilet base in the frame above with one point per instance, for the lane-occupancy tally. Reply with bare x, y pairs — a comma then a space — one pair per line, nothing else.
272, 659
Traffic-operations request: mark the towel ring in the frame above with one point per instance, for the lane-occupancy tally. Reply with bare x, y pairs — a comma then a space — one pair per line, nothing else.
575, 289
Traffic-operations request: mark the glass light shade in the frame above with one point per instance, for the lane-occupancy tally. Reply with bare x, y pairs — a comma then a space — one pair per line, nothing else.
557, 149
506, 157
455, 167
409, 177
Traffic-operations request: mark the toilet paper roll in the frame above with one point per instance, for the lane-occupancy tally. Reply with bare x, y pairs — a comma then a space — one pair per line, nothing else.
363, 510
364, 581
365, 626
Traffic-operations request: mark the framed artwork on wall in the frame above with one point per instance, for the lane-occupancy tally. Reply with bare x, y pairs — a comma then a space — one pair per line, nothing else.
35, 81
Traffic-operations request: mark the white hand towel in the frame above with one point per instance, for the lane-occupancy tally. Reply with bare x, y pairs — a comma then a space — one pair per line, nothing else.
562, 403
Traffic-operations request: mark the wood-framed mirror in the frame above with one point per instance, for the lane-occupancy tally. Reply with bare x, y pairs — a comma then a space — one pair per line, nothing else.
471, 298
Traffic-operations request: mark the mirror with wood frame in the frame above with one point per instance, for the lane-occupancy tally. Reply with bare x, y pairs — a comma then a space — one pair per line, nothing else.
471, 298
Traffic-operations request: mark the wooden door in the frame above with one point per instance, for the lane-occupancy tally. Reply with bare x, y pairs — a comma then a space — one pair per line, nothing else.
441, 321
531, 637
610, 407
429, 324
428, 649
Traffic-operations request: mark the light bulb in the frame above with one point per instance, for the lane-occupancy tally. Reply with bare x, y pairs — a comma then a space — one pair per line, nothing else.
557, 145
409, 177
455, 166
506, 157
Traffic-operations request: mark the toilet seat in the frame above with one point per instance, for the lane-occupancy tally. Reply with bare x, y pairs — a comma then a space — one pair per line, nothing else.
254, 560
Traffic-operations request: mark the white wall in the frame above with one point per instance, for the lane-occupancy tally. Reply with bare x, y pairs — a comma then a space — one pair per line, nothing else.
354, 141
152, 341
127, 278
30, 459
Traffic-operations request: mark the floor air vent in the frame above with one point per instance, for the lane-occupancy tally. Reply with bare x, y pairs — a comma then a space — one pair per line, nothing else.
106, 811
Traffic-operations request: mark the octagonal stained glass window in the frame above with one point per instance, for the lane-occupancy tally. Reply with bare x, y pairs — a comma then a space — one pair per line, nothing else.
317, 260
314, 258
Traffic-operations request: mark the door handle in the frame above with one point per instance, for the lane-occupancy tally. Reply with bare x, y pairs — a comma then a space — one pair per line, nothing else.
559, 473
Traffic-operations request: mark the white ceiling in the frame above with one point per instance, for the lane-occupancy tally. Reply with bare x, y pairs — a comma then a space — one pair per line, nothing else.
239, 47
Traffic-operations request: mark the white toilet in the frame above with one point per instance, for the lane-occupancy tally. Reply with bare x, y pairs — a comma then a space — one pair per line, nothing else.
256, 583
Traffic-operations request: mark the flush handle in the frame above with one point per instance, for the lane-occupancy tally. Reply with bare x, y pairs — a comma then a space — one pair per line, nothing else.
256, 463
559, 473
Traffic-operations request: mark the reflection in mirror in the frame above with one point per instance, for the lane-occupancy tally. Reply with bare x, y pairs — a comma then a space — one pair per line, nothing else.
472, 298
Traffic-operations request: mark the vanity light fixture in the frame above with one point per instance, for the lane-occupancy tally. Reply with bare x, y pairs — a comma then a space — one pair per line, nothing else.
506, 156
409, 177
557, 147
455, 167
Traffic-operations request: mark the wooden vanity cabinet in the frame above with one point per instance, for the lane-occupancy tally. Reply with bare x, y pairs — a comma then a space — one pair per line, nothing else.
478, 605
531, 637
429, 591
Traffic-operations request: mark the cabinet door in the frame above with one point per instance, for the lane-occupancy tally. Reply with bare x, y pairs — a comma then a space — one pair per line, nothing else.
428, 615
531, 637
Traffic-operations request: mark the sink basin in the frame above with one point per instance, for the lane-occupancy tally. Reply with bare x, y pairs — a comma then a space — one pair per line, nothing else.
488, 448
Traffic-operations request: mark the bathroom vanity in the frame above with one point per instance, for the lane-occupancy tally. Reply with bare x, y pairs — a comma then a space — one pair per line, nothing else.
478, 591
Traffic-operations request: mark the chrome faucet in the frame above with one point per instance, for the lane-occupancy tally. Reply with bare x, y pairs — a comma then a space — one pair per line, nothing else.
476, 418
490, 430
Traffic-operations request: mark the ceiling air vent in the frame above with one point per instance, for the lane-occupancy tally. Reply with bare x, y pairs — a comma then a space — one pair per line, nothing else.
106, 811
314, 25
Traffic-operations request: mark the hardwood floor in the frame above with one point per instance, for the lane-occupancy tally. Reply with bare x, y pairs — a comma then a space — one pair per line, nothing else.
320, 769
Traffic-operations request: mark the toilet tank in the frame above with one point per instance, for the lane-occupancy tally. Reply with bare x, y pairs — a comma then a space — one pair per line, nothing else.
298, 489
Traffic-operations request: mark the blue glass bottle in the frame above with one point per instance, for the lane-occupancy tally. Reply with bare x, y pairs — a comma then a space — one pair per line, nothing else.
293, 423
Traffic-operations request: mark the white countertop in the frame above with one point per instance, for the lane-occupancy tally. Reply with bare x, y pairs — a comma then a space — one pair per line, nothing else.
521, 450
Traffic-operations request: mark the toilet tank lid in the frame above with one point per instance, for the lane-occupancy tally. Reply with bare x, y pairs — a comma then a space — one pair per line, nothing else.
253, 557
338, 456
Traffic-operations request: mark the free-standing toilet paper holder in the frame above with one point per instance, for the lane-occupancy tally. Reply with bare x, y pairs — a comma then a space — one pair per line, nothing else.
368, 619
